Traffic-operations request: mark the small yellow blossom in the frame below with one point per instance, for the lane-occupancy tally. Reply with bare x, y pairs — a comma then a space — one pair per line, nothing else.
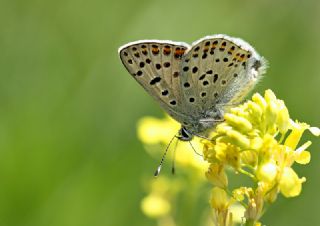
152, 130
267, 172
217, 176
220, 202
155, 206
237, 211
290, 184
219, 199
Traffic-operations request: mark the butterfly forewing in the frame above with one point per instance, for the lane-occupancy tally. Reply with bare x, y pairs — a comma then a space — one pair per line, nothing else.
156, 67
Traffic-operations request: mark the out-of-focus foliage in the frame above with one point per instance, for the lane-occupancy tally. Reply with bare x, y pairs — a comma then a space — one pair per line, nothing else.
69, 154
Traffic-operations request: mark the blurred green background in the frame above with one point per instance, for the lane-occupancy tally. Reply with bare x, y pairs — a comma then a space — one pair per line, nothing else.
69, 154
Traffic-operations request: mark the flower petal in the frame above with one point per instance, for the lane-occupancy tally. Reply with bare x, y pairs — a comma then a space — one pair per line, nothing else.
315, 131
219, 199
303, 157
290, 183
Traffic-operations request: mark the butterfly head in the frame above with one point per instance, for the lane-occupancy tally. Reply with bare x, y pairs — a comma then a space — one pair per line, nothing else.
184, 134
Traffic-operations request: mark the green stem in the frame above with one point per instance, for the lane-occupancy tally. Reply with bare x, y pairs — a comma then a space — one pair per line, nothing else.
249, 222
248, 174
282, 138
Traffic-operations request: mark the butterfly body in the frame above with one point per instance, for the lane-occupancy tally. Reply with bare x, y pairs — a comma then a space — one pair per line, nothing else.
195, 83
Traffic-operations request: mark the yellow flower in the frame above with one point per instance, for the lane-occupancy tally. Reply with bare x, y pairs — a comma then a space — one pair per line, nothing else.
219, 199
258, 139
217, 176
267, 172
152, 130
248, 139
155, 206
220, 202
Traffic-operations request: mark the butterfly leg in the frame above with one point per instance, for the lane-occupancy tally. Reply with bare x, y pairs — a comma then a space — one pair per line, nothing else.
231, 104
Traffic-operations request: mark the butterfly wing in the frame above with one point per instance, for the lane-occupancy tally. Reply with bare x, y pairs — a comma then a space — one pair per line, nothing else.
155, 65
218, 70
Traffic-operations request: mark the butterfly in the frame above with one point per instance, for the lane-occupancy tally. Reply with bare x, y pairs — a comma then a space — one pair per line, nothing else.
195, 83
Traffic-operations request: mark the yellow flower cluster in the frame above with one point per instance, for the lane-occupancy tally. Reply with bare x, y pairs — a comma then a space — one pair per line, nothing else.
163, 191
257, 139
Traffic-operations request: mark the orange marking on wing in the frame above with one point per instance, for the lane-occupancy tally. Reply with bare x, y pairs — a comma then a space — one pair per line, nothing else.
166, 50
155, 50
179, 52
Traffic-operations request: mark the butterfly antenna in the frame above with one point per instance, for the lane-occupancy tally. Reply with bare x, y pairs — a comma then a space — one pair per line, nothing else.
173, 169
163, 158
195, 149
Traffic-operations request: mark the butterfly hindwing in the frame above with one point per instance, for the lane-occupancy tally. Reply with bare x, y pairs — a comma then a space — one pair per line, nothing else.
218, 70
155, 65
